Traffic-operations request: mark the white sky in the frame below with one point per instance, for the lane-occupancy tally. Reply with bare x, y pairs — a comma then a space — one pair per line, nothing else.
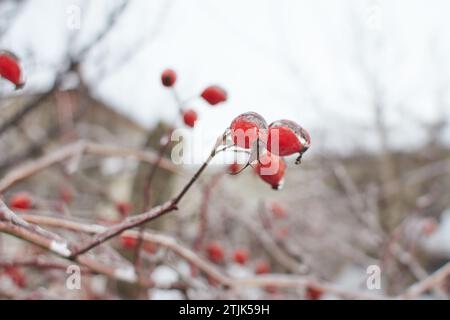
283, 59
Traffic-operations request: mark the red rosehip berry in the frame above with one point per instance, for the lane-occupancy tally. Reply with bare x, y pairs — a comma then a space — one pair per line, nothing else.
313, 293
21, 201
128, 242
278, 211
10, 68
190, 117
271, 169
214, 95
66, 194
262, 267
215, 252
168, 78
124, 208
271, 289
286, 137
234, 168
240, 256
149, 247
245, 129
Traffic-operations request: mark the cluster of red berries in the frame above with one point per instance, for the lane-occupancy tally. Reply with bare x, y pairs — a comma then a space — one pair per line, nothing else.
212, 94
268, 144
10, 68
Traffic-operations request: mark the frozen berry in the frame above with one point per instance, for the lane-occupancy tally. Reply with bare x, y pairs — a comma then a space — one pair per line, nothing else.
271, 169
245, 129
286, 137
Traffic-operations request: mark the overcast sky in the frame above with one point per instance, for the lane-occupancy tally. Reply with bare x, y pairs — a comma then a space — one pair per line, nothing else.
309, 61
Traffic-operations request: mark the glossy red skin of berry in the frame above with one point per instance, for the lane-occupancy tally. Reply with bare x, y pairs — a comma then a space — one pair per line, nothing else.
21, 201
278, 211
271, 169
10, 69
214, 95
128, 242
240, 256
168, 78
244, 133
190, 117
288, 142
313, 293
124, 208
262, 267
215, 252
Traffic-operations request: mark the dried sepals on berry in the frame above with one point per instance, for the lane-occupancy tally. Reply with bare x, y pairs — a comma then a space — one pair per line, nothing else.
285, 137
168, 78
214, 95
10, 68
271, 169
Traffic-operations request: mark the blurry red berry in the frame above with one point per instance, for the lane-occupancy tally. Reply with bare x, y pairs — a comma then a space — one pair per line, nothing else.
286, 137
262, 267
10, 69
149, 247
234, 168
271, 169
313, 293
124, 208
214, 95
190, 117
278, 211
245, 129
16, 275
21, 201
215, 252
240, 256
66, 194
128, 242
271, 289
168, 78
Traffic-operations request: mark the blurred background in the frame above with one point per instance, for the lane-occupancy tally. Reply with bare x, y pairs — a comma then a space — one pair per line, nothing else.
368, 79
